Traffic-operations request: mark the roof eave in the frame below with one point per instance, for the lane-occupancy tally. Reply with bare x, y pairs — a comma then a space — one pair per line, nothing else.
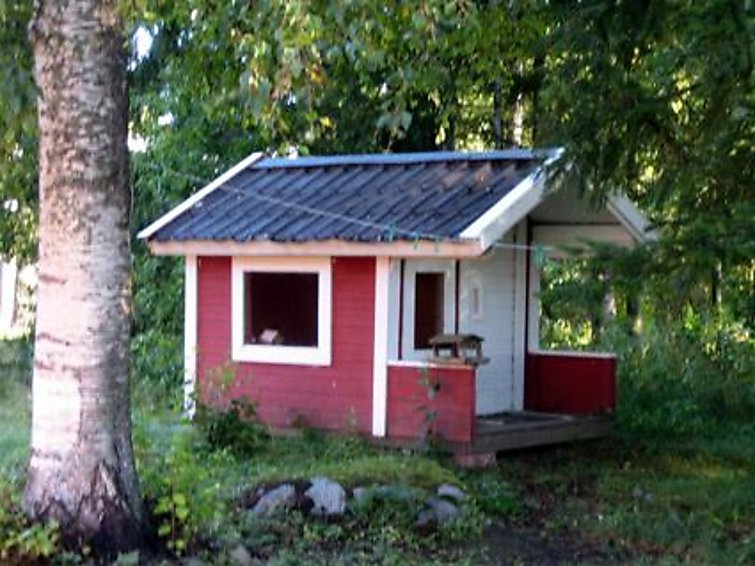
185, 205
512, 207
334, 248
630, 217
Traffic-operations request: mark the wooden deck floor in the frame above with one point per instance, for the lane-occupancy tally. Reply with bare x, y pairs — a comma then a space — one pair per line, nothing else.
512, 431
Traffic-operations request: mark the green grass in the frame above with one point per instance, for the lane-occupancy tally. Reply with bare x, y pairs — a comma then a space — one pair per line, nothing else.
687, 502
668, 500
14, 410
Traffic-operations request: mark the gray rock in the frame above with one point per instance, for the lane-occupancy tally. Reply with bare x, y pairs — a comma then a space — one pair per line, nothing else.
328, 497
240, 556
437, 512
359, 494
451, 492
639, 493
279, 499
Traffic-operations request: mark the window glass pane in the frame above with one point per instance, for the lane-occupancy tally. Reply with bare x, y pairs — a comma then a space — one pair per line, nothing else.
280, 308
428, 308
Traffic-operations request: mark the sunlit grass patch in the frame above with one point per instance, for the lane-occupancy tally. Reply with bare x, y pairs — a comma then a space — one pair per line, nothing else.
15, 405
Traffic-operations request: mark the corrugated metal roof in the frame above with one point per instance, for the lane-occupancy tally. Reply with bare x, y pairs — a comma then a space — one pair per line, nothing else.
361, 198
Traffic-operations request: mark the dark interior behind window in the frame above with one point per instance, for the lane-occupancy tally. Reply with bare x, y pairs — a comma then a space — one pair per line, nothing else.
280, 308
428, 308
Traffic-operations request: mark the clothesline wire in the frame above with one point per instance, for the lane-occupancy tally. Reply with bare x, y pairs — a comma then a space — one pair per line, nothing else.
391, 229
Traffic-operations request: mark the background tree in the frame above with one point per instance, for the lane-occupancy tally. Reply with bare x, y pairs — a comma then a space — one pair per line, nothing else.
658, 99
81, 469
18, 134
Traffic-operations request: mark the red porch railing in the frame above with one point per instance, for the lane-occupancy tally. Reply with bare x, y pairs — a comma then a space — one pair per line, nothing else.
570, 382
435, 399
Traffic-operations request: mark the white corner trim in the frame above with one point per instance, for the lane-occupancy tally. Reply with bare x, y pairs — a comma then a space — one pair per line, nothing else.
380, 348
533, 301
190, 335
319, 355
631, 218
520, 317
199, 195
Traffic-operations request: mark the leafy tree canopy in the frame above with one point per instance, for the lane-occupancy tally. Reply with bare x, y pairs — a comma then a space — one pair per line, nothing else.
653, 97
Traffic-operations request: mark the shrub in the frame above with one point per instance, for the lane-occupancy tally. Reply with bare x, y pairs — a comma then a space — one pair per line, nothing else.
21, 542
236, 428
688, 377
180, 490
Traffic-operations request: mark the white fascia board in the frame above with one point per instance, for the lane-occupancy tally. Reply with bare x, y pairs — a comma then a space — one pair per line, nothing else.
631, 218
505, 214
199, 195
334, 248
512, 207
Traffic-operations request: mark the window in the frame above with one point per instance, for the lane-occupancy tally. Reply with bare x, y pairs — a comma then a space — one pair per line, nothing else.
428, 308
281, 310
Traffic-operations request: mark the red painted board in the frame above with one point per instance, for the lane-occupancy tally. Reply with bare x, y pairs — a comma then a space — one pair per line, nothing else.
570, 383
336, 397
448, 411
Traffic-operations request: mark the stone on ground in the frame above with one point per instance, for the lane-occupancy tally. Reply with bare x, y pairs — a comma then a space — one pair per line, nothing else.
276, 500
328, 497
451, 492
240, 556
437, 512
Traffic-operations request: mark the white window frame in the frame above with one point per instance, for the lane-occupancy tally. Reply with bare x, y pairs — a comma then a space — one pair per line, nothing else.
411, 268
319, 355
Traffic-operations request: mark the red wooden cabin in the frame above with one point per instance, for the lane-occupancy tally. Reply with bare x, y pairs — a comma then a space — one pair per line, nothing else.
313, 286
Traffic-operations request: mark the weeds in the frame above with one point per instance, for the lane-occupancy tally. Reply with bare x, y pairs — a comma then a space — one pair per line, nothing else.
656, 494
235, 429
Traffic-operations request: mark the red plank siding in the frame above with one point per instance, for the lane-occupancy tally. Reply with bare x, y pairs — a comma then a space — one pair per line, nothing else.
570, 383
412, 409
337, 397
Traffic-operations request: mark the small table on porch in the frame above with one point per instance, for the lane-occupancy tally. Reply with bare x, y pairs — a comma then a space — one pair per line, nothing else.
458, 348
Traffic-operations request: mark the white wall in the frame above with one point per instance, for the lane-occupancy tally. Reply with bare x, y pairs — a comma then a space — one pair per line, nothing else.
496, 277
493, 275
497, 316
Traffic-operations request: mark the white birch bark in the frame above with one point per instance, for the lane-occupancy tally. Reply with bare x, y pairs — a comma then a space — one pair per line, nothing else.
81, 467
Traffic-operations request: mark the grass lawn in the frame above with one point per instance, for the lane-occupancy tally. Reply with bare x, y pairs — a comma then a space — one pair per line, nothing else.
670, 501
14, 411
690, 501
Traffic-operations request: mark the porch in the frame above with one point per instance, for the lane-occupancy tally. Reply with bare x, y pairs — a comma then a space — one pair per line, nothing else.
568, 396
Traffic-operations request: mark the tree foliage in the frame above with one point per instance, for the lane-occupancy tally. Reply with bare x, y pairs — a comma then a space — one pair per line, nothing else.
18, 139
652, 97
657, 99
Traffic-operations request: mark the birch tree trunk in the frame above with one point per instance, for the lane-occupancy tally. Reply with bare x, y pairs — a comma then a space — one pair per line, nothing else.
81, 467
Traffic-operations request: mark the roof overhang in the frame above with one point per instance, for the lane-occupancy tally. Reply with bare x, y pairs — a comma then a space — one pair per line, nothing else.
475, 240
419, 249
630, 217
166, 218
515, 205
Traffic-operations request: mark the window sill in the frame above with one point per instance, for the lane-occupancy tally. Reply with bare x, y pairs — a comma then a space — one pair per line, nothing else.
282, 355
